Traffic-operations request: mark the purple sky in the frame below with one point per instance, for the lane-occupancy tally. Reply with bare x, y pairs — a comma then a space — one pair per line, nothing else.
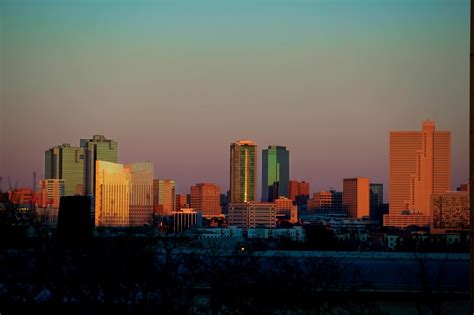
176, 83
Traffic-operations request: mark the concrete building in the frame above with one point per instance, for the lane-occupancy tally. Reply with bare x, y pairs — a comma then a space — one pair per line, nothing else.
252, 214
275, 173
50, 193
450, 212
285, 207
296, 188
181, 202
186, 218
67, 163
124, 194
97, 148
164, 196
356, 197
205, 198
404, 220
325, 202
243, 171
295, 234
420, 164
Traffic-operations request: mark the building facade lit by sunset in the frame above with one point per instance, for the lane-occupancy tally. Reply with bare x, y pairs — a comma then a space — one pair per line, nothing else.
97, 148
50, 193
66, 162
164, 196
420, 167
243, 171
325, 202
285, 207
450, 212
205, 198
275, 173
181, 202
296, 188
356, 197
124, 194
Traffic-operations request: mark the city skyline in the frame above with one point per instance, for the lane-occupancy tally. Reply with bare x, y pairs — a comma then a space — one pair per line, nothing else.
346, 87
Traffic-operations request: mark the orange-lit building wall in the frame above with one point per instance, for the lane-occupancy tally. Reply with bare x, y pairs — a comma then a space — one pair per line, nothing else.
356, 197
205, 198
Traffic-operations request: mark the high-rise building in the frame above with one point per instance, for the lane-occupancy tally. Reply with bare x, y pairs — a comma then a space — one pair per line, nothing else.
186, 218
275, 173
376, 198
50, 193
66, 162
181, 202
356, 197
450, 212
298, 189
205, 198
325, 202
164, 196
252, 214
243, 171
124, 194
141, 193
420, 164
97, 148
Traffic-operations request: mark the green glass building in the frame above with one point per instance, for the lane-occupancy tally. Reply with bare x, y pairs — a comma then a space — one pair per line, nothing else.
66, 162
275, 173
96, 149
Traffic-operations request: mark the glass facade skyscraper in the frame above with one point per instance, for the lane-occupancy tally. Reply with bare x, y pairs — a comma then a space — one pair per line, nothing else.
275, 173
243, 171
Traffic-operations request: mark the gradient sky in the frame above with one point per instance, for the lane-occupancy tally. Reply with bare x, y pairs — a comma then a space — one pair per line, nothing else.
175, 82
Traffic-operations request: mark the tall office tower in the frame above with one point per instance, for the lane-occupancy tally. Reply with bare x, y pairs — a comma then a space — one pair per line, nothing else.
112, 196
420, 164
275, 173
243, 171
50, 193
124, 194
298, 189
376, 198
205, 198
66, 162
141, 193
450, 212
249, 215
164, 196
326, 202
356, 197
181, 202
97, 148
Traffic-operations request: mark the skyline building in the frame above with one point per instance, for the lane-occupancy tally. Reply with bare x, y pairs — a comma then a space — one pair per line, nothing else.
376, 198
297, 188
205, 198
50, 193
164, 196
243, 171
325, 202
275, 173
186, 218
67, 163
420, 167
97, 148
247, 215
181, 202
356, 197
124, 194
450, 212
